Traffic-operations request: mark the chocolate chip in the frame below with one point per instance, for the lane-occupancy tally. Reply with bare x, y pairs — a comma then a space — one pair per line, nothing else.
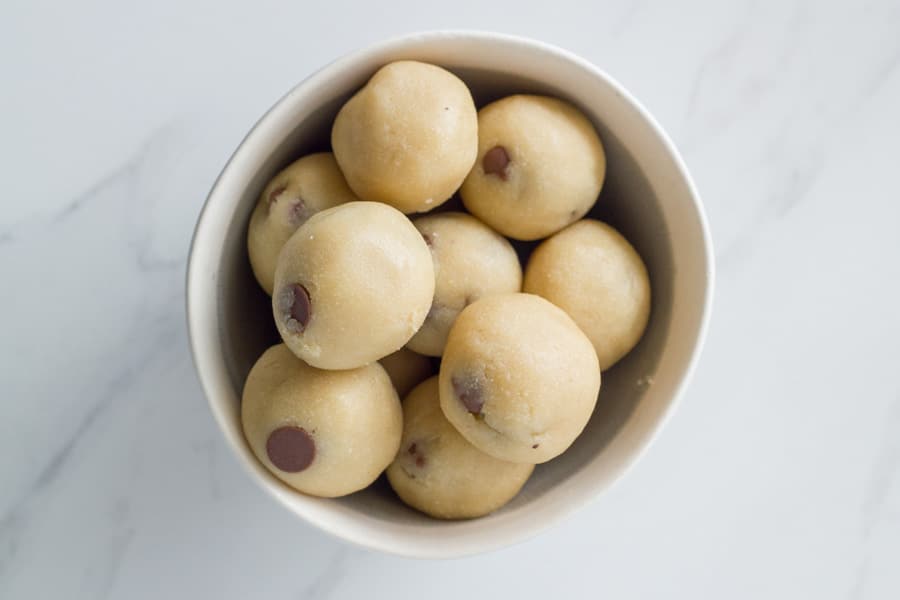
535, 446
419, 459
469, 393
290, 449
495, 162
294, 304
273, 195
298, 213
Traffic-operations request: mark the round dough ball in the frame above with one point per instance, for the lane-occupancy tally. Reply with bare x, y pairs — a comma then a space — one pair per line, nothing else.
325, 433
518, 379
540, 166
408, 138
471, 261
352, 285
590, 271
406, 369
441, 474
305, 187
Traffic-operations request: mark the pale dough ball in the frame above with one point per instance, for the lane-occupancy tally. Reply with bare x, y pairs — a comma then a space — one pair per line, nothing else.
325, 433
305, 187
352, 285
518, 379
408, 138
471, 261
441, 474
590, 271
406, 369
540, 166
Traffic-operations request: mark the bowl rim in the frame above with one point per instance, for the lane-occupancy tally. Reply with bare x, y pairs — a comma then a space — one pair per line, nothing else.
213, 377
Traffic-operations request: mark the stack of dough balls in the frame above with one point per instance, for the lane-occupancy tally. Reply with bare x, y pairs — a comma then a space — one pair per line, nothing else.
417, 345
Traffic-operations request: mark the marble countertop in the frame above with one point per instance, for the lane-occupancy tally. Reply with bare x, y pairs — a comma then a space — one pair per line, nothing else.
778, 477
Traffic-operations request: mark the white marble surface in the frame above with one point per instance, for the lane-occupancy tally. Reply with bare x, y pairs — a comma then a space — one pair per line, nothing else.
779, 477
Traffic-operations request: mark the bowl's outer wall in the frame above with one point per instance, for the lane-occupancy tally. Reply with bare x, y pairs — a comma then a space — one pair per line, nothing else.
647, 195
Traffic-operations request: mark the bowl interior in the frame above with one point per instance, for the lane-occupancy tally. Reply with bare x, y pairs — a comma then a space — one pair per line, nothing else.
647, 196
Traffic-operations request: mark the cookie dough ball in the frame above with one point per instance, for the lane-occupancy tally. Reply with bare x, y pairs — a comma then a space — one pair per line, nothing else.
441, 474
471, 261
590, 271
408, 138
352, 285
518, 379
325, 433
540, 167
305, 187
406, 369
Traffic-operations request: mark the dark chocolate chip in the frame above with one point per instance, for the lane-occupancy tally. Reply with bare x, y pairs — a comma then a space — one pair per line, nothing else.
290, 449
495, 162
419, 459
298, 213
295, 306
535, 446
469, 393
273, 195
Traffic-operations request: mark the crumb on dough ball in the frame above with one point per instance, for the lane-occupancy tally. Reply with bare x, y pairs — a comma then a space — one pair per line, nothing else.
408, 137
590, 271
518, 379
352, 285
305, 187
441, 474
406, 369
471, 261
324, 433
540, 166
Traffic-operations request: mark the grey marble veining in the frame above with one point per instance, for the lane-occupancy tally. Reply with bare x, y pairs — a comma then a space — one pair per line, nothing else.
779, 476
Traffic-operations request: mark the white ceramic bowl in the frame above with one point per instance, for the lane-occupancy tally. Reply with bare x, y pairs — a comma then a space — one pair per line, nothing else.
648, 195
